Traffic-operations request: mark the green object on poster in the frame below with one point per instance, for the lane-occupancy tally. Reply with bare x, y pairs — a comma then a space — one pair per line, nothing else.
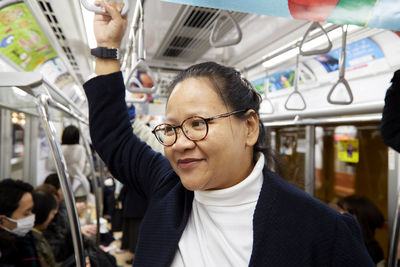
21, 39
357, 12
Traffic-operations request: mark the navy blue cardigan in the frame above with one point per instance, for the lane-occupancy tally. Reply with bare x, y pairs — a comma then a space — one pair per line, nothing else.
290, 228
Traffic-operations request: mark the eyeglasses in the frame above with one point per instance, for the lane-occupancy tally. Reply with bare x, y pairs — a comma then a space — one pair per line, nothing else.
194, 128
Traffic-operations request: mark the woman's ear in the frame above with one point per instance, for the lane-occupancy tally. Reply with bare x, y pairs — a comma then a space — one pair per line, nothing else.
252, 127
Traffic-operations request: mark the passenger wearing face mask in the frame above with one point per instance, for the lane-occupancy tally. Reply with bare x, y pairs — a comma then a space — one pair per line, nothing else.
16, 221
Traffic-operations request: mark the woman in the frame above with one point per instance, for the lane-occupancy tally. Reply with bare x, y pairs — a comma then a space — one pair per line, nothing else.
211, 201
45, 208
77, 162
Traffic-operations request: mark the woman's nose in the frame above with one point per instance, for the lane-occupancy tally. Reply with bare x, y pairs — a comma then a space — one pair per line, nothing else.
182, 141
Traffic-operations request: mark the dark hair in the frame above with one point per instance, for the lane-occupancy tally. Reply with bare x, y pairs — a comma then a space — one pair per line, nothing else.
43, 203
52, 179
70, 136
237, 93
367, 214
49, 189
11, 192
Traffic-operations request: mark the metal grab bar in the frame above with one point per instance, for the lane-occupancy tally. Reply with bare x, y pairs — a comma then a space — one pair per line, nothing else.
61, 167
296, 88
96, 187
312, 27
223, 14
342, 70
266, 85
98, 9
395, 236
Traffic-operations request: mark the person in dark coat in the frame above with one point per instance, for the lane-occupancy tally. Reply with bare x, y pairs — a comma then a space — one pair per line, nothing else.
390, 125
17, 245
212, 200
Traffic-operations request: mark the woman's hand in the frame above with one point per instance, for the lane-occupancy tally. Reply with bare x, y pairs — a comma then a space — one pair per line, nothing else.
109, 28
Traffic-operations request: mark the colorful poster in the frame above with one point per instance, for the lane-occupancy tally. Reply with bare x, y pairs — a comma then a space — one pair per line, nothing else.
21, 39
348, 150
357, 53
259, 85
280, 80
383, 14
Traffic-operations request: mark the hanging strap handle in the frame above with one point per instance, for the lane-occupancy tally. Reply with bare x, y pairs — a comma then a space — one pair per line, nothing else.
98, 9
266, 98
129, 79
342, 70
325, 50
223, 14
296, 89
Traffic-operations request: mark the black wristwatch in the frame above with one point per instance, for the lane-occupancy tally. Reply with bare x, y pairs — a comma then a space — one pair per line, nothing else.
104, 52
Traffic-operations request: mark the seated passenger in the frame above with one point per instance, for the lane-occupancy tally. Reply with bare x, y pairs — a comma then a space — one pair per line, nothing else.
17, 246
45, 208
369, 217
212, 200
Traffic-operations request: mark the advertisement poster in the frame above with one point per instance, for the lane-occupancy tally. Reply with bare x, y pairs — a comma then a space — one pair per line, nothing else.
22, 40
358, 54
384, 14
348, 150
259, 85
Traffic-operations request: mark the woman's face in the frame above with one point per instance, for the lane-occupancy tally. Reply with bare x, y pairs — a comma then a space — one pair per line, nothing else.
224, 157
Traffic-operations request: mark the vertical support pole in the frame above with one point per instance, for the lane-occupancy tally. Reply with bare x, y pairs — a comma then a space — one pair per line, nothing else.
5, 144
95, 182
393, 205
64, 180
30, 150
310, 160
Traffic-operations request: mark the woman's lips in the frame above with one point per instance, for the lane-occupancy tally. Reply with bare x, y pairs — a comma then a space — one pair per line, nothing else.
188, 163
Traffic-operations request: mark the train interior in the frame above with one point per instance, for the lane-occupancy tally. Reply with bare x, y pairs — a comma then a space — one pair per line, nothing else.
322, 112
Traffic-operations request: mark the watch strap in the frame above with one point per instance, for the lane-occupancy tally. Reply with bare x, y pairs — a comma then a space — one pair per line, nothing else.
105, 52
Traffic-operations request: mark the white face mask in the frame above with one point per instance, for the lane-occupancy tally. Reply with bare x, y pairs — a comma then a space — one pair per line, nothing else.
23, 225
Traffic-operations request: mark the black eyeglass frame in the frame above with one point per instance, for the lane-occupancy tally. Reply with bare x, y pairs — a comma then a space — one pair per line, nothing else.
206, 120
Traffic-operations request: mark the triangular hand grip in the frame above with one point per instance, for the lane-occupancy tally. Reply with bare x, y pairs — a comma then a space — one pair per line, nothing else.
270, 110
223, 15
348, 90
294, 94
325, 50
140, 89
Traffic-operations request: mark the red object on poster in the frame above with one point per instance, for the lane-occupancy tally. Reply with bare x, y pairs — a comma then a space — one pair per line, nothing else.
314, 10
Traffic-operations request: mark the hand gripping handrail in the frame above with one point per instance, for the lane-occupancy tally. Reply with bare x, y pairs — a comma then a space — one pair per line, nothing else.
223, 14
266, 98
98, 9
325, 50
342, 70
296, 88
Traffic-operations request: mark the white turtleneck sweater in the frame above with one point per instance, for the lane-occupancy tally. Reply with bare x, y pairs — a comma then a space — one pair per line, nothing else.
220, 227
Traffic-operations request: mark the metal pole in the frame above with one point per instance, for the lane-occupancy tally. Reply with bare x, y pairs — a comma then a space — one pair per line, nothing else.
310, 160
393, 207
95, 184
64, 180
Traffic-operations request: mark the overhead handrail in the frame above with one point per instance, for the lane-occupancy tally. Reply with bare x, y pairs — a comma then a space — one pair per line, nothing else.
296, 88
325, 50
266, 98
342, 70
98, 9
140, 54
61, 168
95, 183
394, 239
222, 16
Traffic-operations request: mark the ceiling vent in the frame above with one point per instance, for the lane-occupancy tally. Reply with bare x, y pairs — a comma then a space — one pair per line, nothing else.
188, 36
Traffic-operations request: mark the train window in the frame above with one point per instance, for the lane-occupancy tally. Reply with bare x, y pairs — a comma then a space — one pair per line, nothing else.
352, 159
18, 120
